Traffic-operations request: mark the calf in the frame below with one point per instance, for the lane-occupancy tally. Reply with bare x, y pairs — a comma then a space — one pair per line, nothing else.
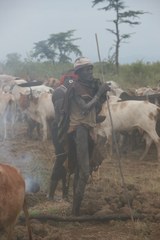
129, 115
12, 199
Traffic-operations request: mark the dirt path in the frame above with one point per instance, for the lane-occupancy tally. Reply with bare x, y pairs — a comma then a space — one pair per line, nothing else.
104, 195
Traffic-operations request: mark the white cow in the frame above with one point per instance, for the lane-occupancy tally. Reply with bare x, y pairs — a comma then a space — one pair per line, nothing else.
128, 115
33, 90
39, 108
4, 78
32, 107
115, 89
7, 110
144, 91
7, 82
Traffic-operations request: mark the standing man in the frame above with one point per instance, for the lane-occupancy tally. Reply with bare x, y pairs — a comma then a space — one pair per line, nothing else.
82, 105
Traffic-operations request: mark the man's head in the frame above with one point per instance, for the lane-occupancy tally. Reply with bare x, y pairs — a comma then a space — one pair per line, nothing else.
83, 68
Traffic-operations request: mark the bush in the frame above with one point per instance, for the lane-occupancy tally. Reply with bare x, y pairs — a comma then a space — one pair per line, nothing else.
130, 75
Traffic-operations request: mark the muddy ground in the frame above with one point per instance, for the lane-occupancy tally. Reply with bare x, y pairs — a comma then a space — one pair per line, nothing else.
105, 195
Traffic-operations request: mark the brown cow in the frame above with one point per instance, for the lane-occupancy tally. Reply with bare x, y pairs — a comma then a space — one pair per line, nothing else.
52, 82
12, 199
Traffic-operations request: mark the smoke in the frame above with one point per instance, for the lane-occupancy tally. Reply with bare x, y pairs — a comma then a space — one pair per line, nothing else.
32, 186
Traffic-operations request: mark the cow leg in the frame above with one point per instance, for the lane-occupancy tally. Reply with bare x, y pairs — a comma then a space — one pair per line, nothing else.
5, 128
27, 220
158, 148
156, 140
109, 146
64, 184
112, 143
148, 142
31, 126
68, 176
10, 230
151, 131
38, 129
12, 126
45, 129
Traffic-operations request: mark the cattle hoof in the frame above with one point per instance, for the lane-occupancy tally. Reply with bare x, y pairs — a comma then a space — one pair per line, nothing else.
49, 198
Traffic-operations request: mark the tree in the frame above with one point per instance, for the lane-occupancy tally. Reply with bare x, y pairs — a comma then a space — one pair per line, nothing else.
62, 43
121, 17
58, 47
43, 51
13, 58
14, 64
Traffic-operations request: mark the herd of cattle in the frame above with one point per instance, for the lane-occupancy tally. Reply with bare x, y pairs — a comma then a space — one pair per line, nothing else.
19, 100
124, 114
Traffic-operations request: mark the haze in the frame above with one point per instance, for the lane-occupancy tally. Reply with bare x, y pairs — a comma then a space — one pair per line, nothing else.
24, 22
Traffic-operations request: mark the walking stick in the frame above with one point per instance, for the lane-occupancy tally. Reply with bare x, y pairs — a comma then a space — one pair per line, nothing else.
114, 137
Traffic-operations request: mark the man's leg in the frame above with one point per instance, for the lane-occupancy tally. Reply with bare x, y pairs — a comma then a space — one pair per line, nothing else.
58, 171
82, 173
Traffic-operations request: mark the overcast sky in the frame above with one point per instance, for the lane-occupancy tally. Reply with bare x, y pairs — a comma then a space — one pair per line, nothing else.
24, 22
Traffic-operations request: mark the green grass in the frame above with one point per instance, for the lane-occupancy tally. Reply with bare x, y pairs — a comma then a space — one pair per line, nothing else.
130, 75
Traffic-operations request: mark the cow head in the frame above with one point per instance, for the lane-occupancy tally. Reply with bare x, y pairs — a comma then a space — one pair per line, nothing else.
24, 101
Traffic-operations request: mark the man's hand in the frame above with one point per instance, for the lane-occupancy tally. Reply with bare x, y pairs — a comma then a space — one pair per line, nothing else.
103, 89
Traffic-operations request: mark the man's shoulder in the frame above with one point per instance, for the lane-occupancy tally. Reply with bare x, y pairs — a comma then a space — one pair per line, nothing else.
59, 92
60, 88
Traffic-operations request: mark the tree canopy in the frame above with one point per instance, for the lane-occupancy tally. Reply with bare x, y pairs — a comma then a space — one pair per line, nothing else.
57, 48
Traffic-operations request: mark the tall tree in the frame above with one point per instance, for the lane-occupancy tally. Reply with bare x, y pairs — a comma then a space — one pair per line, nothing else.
43, 51
62, 43
121, 17
58, 47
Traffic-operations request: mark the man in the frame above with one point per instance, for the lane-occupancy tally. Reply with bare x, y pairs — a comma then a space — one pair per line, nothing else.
59, 171
82, 105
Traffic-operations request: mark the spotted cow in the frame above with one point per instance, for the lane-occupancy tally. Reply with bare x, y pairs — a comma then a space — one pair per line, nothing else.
128, 115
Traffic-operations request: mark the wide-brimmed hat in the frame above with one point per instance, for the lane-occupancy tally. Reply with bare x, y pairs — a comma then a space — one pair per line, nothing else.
81, 63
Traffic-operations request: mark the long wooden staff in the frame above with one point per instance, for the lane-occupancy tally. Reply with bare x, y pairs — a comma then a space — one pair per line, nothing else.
114, 137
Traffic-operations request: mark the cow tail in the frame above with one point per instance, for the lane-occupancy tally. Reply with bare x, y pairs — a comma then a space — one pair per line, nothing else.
158, 121
158, 110
25, 209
